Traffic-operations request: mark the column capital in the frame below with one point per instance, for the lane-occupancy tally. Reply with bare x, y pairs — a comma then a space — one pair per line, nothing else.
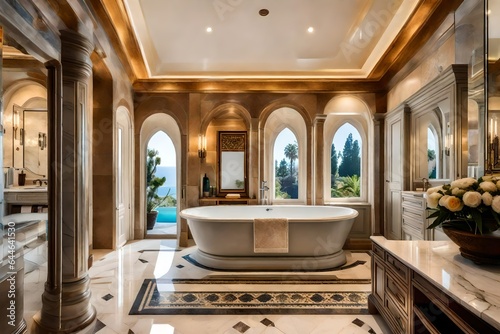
75, 55
321, 118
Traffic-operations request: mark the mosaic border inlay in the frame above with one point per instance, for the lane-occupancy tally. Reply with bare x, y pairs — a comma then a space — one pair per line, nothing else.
150, 300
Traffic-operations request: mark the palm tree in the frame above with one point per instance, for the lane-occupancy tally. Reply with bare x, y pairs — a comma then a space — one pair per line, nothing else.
348, 186
292, 153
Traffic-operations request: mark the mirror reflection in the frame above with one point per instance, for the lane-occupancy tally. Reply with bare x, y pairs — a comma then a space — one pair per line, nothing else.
34, 138
25, 114
493, 86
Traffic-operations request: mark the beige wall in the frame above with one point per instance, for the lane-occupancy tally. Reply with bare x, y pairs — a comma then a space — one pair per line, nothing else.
197, 113
439, 59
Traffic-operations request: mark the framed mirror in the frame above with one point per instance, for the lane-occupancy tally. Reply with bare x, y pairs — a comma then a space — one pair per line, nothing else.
30, 139
232, 162
34, 137
493, 87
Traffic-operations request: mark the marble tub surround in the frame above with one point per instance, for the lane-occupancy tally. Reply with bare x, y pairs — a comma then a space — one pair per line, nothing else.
475, 287
116, 278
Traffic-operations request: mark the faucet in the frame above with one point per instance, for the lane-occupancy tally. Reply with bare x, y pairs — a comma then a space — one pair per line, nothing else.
41, 181
426, 183
263, 189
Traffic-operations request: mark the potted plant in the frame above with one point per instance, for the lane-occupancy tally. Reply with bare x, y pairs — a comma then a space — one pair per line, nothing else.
468, 210
152, 184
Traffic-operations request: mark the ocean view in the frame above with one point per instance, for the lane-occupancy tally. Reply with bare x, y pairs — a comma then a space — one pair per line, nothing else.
169, 172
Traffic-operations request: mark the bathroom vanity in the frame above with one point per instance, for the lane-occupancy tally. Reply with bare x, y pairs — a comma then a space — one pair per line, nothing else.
25, 196
428, 287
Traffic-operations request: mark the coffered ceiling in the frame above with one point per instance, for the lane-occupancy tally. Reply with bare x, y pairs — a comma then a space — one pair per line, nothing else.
279, 39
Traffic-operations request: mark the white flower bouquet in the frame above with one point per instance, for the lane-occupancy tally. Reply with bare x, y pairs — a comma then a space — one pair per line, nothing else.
466, 204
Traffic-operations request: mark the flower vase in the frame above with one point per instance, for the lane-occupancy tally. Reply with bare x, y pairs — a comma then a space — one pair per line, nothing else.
480, 248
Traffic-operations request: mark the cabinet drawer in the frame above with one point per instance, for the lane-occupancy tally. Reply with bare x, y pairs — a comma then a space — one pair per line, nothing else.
415, 223
417, 233
398, 321
418, 203
398, 293
377, 250
412, 212
397, 267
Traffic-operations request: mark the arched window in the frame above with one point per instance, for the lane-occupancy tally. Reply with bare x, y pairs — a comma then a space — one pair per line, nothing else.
286, 166
285, 137
346, 151
433, 156
345, 162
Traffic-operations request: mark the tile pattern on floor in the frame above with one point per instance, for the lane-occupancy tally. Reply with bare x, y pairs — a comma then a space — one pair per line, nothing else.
121, 273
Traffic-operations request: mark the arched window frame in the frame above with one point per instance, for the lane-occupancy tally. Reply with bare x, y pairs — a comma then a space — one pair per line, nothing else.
274, 169
437, 139
274, 126
332, 124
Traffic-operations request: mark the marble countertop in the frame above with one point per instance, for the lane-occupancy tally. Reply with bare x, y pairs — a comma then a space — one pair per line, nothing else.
475, 287
30, 188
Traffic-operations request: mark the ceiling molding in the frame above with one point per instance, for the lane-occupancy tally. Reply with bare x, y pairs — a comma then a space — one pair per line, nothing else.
116, 24
409, 45
419, 28
255, 86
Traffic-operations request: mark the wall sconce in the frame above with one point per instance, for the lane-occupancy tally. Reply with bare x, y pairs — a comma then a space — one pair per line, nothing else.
448, 139
42, 140
15, 121
202, 146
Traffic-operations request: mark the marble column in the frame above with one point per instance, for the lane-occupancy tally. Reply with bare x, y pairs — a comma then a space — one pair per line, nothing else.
318, 160
66, 304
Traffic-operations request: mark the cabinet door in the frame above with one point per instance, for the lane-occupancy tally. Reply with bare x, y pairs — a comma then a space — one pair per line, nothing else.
378, 284
396, 177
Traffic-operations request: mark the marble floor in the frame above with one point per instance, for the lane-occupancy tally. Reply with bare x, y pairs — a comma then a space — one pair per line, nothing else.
163, 230
117, 276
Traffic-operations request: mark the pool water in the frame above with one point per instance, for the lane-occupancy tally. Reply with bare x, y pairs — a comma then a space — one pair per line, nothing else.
167, 214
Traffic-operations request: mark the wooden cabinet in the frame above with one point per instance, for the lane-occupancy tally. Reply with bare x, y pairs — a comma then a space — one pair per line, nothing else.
414, 215
436, 312
390, 289
411, 303
414, 219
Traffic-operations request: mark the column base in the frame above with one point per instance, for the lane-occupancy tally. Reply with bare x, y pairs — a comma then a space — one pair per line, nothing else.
77, 314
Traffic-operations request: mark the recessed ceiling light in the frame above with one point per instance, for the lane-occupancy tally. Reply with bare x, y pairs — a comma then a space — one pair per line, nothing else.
209, 29
310, 29
264, 12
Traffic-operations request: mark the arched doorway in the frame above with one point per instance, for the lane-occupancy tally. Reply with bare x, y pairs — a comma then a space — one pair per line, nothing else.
124, 181
166, 124
166, 221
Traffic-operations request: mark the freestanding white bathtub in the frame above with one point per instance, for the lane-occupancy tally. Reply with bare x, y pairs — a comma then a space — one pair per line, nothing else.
225, 239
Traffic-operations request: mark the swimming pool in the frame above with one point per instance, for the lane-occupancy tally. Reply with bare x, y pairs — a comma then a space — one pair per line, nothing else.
167, 214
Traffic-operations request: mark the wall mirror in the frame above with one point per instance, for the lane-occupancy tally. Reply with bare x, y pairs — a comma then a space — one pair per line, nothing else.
30, 129
438, 121
432, 143
232, 161
493, 90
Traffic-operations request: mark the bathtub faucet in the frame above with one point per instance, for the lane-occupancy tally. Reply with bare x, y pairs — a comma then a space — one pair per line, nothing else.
263, 189
426, 183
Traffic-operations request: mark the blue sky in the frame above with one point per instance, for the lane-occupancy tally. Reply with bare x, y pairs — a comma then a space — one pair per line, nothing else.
161, 142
